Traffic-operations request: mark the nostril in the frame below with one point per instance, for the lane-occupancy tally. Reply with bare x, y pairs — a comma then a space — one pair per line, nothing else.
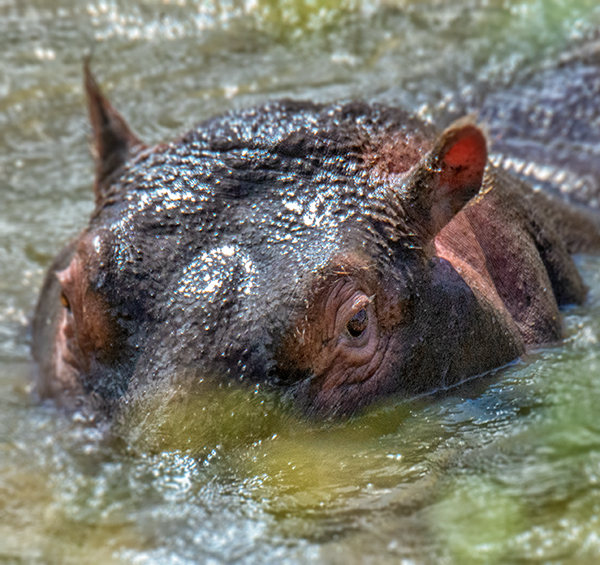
358, 323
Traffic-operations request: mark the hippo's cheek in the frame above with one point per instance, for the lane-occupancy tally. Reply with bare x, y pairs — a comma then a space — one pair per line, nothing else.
346, 386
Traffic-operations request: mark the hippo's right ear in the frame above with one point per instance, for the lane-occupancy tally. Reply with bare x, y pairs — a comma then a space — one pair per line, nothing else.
446, 179
113, 141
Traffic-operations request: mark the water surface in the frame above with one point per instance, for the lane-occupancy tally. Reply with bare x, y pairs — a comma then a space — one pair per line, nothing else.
503, 470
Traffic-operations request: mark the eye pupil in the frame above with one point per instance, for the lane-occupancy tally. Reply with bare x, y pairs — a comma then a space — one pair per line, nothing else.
358, 324
65, 301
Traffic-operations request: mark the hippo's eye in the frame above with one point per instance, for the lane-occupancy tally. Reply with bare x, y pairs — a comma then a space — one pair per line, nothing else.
65, 301
358, 323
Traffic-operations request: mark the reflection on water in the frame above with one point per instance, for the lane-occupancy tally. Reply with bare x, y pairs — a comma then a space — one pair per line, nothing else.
504, 469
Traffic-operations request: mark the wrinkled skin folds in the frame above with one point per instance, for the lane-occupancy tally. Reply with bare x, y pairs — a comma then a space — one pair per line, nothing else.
338, 253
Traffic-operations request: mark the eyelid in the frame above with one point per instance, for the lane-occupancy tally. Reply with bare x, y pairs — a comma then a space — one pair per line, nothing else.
65, 277
360, 303
349, 308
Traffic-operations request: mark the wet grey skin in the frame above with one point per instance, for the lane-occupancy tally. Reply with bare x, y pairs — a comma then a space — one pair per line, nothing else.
338, 254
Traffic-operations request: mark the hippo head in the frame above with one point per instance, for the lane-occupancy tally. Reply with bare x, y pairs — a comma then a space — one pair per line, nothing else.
292, 244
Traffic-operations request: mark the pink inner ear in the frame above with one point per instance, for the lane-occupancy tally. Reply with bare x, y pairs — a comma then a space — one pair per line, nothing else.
464, 161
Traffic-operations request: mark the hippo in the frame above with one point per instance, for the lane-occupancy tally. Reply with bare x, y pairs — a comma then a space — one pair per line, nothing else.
338, 254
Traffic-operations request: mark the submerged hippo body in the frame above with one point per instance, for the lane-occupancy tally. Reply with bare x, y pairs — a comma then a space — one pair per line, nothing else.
341, 253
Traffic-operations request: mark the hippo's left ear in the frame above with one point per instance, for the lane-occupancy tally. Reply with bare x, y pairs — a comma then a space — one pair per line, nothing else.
113, 140
446, 179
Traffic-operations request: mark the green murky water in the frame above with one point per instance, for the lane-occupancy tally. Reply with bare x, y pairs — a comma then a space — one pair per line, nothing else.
504, 470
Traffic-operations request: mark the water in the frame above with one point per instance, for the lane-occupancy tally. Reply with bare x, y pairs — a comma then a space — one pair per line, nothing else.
503, 470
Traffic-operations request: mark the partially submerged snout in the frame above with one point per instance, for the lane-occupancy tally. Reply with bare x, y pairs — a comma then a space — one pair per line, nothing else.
328, 251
